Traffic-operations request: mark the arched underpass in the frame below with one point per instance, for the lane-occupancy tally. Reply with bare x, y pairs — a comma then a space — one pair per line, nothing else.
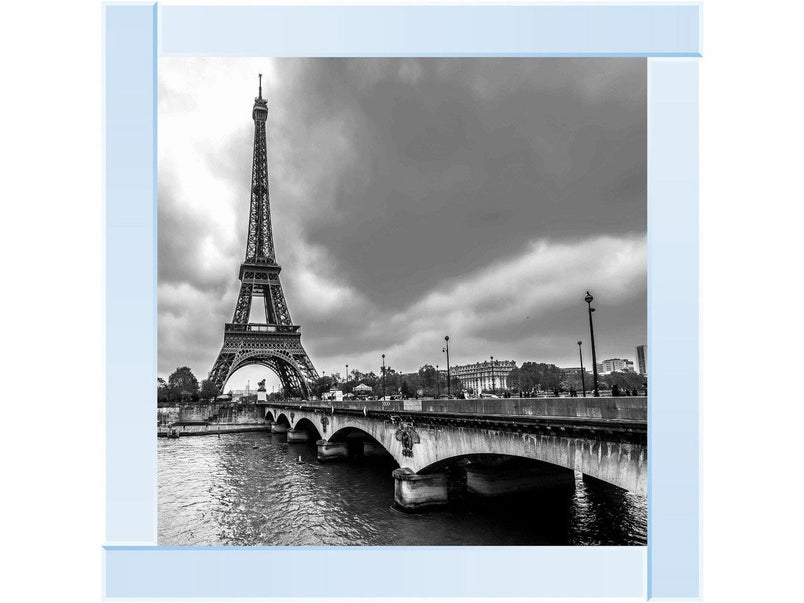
304, 430
281, 424
496, 475
358, 443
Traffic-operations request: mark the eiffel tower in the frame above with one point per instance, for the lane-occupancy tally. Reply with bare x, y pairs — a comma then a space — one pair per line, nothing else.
276, 343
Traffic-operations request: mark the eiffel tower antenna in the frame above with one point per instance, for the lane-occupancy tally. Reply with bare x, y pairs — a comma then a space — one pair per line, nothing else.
275, 343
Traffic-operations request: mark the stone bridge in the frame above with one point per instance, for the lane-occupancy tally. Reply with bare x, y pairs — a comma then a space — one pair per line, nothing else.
605, 438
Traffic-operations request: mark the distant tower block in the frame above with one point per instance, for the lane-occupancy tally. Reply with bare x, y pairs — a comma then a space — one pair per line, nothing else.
275, 343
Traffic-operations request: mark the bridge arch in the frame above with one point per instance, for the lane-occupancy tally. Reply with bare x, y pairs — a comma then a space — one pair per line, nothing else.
305, 424
282, 419
269, 416
351, 431
490, 461
618, 463
363, 442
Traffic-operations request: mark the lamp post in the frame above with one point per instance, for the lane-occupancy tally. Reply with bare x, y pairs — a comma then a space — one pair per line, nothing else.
383, 376
438, 383
583, 380
588, 299
346, 376
449, 379
493, 380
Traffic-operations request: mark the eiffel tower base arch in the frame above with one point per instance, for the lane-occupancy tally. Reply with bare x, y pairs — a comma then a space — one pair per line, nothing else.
281, 352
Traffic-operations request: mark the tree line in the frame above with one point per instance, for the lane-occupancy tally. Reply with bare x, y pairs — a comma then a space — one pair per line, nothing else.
535, 377
182, 387
426, 382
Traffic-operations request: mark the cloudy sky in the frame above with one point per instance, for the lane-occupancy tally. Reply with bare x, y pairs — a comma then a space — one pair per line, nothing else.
411, 199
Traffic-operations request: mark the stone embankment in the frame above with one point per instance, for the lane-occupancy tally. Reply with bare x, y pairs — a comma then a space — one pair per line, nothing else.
210, 419
196, 430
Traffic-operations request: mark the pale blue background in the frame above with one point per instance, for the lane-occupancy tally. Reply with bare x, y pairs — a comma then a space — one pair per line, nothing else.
134, 37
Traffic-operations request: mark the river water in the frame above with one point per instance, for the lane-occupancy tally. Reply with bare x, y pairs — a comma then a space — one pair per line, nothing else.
254, 489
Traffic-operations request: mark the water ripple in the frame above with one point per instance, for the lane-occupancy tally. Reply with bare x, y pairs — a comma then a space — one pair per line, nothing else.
224, 491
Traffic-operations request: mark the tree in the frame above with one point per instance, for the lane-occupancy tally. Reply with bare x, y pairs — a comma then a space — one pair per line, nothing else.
541, 376
427, 378
209, 391
407, 392
572, 380
623, 380
518, 379
391, 382
182, 380
162, 392
414, 384
322, 385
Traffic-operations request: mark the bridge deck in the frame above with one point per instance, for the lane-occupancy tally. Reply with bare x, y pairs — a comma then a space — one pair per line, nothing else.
625, 413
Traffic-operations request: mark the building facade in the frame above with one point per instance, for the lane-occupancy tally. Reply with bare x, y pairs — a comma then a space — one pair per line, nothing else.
484, 376
617, 365
642, 359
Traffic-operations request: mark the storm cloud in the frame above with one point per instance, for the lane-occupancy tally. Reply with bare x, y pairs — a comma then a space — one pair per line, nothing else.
411, 199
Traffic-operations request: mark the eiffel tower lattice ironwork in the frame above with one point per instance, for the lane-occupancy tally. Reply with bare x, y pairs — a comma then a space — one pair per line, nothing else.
276, 343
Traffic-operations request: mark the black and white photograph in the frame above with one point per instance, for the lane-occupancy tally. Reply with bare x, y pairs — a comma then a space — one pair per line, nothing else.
402, 301
443, 300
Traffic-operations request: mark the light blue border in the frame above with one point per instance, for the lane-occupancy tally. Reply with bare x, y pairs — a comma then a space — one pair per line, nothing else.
373, 571
673, 420
130, 171
622, 30
348, 31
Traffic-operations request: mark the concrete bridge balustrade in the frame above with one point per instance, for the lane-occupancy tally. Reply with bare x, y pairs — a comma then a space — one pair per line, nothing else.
605, 438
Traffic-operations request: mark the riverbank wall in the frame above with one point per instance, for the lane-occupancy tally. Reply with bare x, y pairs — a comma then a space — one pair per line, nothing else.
202, 419
209, 429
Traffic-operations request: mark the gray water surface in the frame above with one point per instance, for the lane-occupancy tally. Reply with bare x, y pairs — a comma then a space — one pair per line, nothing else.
251, 489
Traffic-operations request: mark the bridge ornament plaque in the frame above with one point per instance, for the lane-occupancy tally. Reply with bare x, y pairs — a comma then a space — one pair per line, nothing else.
408, 436
324, 423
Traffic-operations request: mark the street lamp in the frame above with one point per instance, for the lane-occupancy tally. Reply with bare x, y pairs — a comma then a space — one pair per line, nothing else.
438, 383
449, 379
346, 377
383, 376
588, 299
493, 380
583, 380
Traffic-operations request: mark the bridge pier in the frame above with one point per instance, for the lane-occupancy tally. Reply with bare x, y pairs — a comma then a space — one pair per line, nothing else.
297, 435
279, 428
414, 492
332, 451
502, 480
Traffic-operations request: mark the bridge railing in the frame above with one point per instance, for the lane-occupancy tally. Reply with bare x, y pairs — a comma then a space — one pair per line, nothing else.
620, 408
